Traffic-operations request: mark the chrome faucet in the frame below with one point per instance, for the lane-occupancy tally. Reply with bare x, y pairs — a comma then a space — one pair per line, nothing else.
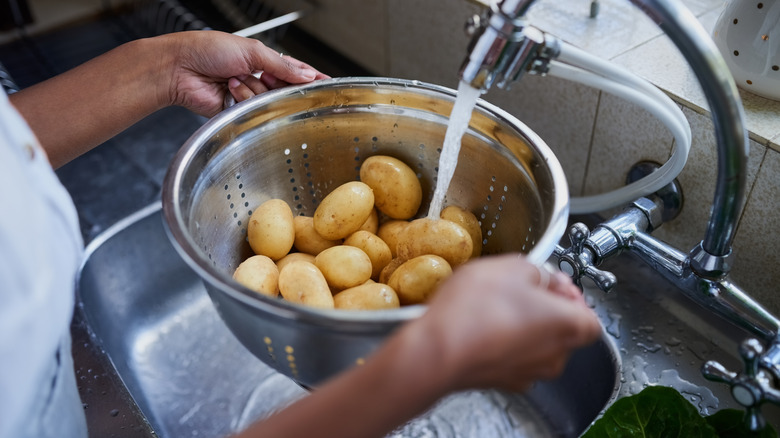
504, 47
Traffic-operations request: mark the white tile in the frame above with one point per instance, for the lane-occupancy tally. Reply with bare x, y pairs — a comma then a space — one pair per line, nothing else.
698, 180
618, 27
624, 135
757, 240
763, 118
661, 63
427, 40
561, 112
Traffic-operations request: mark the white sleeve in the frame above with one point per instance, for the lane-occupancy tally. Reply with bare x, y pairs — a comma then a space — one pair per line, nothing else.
40, 253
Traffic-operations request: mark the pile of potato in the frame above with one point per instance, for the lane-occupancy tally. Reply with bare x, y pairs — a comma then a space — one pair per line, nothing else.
362, 249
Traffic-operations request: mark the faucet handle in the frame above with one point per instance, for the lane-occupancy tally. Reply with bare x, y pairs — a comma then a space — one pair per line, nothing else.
577, 261
749, 388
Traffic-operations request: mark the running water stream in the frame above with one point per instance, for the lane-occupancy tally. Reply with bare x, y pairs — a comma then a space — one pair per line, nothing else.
458, 124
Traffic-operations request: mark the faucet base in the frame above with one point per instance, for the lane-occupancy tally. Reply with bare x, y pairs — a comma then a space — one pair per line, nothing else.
671, 195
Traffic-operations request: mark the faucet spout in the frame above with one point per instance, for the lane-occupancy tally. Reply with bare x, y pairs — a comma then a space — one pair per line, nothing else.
710, 258
503, 47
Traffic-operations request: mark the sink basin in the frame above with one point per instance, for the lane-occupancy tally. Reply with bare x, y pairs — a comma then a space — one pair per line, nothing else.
190, 376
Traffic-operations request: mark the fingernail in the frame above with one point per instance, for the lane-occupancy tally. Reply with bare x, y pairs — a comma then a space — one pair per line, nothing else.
309, 75
233, 83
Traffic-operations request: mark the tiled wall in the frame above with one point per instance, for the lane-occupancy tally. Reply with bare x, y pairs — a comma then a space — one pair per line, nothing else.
596, 136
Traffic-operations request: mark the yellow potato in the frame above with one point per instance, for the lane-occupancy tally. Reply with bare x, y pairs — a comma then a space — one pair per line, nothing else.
307, 239
396, 187
416, 280
368, 296
293, 256
302, 283
388, 270
372, 223
344, 210
435, 236
376, 249
389, 232
271, 231
260, 274
469, 222
344, 266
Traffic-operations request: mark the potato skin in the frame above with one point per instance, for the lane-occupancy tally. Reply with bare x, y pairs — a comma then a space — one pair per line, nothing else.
344, 266
388, 270
469, 222
390, 231
260, 274
293, 256
396, 187
302, 283
307, 239
416, 280
372, 223
367, 296
376, 249
435, 236
270, 230
344, 210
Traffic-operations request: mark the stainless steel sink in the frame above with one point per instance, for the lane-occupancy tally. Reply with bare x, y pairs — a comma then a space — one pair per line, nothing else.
189, 376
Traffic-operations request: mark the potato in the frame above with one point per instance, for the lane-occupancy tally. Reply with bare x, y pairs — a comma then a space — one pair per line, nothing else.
389, 231
271, 231
469, 222
388, 270
416, 280
293, 256
260, 274
372, 223
435, 236
344, 210
396, 187
302, 283
376, 249
344, 266
307, 239
367, 296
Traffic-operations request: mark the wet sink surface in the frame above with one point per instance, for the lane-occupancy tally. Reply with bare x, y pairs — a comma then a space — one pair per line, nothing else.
189, 376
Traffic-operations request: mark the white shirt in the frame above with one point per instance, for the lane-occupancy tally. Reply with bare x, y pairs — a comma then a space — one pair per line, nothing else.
40, 252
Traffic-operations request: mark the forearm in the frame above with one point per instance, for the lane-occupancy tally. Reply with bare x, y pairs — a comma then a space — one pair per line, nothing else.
80, 109
392, 387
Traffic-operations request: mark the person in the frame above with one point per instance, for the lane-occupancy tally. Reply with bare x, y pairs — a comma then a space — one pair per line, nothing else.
498, 322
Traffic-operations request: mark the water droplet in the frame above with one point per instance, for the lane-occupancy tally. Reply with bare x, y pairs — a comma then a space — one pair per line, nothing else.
648, 348
613, 328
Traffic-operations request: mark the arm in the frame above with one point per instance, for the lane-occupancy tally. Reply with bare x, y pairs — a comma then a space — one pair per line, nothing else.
78, 110
489, 326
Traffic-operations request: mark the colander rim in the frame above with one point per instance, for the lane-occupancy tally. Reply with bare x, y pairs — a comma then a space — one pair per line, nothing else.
193, 256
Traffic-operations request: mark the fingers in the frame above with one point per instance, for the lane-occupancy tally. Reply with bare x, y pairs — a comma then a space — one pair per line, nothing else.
580, 325
272, 82
284, 68
247, 86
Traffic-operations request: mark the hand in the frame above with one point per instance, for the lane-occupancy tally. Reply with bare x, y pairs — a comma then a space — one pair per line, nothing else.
490, 325
493, 326
210, 64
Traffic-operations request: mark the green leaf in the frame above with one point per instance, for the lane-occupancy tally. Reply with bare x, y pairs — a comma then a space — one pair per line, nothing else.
656, 412
729, 423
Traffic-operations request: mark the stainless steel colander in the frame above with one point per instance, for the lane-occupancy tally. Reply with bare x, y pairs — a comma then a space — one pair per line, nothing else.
300, 143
